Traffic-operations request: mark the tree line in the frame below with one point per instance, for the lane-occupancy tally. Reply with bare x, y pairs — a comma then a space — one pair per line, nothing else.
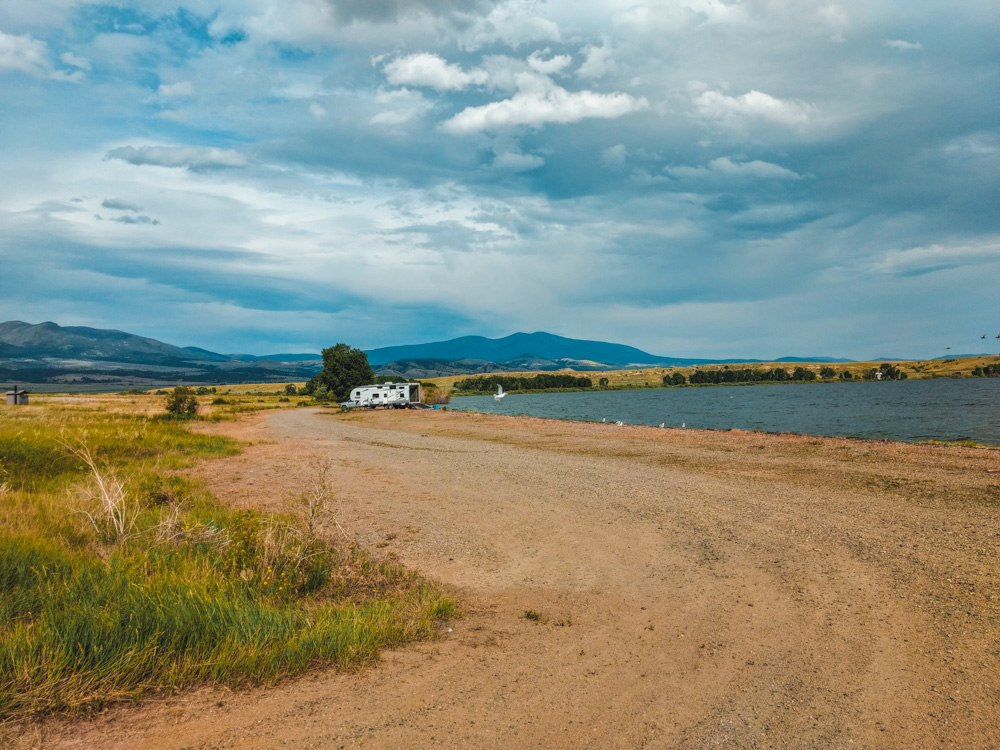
885, 371
540, 382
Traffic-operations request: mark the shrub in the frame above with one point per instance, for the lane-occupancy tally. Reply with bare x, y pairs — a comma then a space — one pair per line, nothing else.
181, 402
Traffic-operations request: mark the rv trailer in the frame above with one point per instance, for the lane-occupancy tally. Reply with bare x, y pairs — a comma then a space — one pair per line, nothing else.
387, 395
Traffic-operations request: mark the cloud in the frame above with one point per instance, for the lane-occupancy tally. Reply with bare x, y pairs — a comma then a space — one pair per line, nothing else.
25, 54
726, 167
388, 11
916, 261
181, 88
189, 157
555, 64
424, 69
539, 102
517, 162
614, 156
902, 46
734, 112
597, 62
119, 205
75, 62
514, 23
136, 220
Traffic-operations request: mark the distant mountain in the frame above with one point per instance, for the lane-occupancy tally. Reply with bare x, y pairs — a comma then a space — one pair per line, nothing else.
78, 342
518, 345
50, 353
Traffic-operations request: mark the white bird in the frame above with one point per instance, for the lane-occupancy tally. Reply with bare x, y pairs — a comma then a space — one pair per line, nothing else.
683, 424
500, 394
604, 419
663, 424
619, 423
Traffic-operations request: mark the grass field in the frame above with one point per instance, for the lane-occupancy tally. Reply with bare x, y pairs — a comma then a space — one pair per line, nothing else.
119, 576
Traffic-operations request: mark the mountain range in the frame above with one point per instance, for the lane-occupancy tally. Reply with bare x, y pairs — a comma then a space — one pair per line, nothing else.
48, 353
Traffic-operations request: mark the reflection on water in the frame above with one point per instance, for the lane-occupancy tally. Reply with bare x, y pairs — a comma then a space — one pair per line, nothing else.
913, 410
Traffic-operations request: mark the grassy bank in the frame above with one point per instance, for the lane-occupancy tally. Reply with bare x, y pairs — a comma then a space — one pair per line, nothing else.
118, 576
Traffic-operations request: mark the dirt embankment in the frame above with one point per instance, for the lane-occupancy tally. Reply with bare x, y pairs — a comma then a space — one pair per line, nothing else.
684, 589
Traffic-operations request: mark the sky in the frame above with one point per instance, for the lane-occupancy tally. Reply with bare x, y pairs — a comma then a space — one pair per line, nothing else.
696, 178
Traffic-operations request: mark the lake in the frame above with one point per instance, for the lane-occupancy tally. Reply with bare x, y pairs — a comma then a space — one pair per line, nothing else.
910, 410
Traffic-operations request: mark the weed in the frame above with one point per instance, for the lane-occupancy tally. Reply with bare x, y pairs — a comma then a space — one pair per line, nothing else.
156, 586
530, 614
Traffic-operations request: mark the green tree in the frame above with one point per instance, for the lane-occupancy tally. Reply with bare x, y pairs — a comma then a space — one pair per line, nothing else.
827, 372
344, 368
291, 390
603, 382
181, 402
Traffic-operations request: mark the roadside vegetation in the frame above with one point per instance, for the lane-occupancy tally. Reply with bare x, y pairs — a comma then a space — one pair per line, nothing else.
120, 577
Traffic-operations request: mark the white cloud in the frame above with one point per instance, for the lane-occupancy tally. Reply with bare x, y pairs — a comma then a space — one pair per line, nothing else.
835, 17
514, 23
733, 112
424, 69
538, 102
181, 88
930, 258
598, 61
75, 62
614, 156
726, 167
25, 54
190, 157
403, 105
902, 46
554, 64
513, 161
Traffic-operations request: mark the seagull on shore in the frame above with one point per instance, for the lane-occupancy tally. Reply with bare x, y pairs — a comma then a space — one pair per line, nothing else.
663, 424
619, 423
499, 394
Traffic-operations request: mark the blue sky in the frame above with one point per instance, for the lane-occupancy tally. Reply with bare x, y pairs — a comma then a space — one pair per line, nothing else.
716, 178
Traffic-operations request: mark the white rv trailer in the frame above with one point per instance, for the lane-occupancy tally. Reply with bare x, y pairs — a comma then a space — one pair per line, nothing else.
388, 395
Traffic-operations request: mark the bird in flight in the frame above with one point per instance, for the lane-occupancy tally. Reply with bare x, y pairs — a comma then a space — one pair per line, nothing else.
499, 394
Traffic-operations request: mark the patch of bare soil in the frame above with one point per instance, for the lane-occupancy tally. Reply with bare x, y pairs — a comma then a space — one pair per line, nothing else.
628, 587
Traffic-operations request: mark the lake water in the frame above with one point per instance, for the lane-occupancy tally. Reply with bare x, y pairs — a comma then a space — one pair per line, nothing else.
911, 410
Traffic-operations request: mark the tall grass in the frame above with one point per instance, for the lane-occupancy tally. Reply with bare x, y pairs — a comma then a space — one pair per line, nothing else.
118, 577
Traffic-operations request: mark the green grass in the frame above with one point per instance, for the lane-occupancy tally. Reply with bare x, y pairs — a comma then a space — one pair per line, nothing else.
119, 577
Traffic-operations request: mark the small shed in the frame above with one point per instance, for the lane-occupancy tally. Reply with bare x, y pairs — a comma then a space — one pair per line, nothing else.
16, 397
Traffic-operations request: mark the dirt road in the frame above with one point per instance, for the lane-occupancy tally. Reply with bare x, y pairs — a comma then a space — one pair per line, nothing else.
683, 589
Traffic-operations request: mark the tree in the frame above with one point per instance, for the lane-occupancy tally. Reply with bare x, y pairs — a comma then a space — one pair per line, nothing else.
827, 372
344, 368
181, 402
291, 390
603, 382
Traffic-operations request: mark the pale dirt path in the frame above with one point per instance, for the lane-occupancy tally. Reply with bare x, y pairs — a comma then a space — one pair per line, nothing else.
697, 589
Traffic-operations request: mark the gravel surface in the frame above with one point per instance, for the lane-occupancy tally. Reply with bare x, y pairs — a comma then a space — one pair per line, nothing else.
687, 589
